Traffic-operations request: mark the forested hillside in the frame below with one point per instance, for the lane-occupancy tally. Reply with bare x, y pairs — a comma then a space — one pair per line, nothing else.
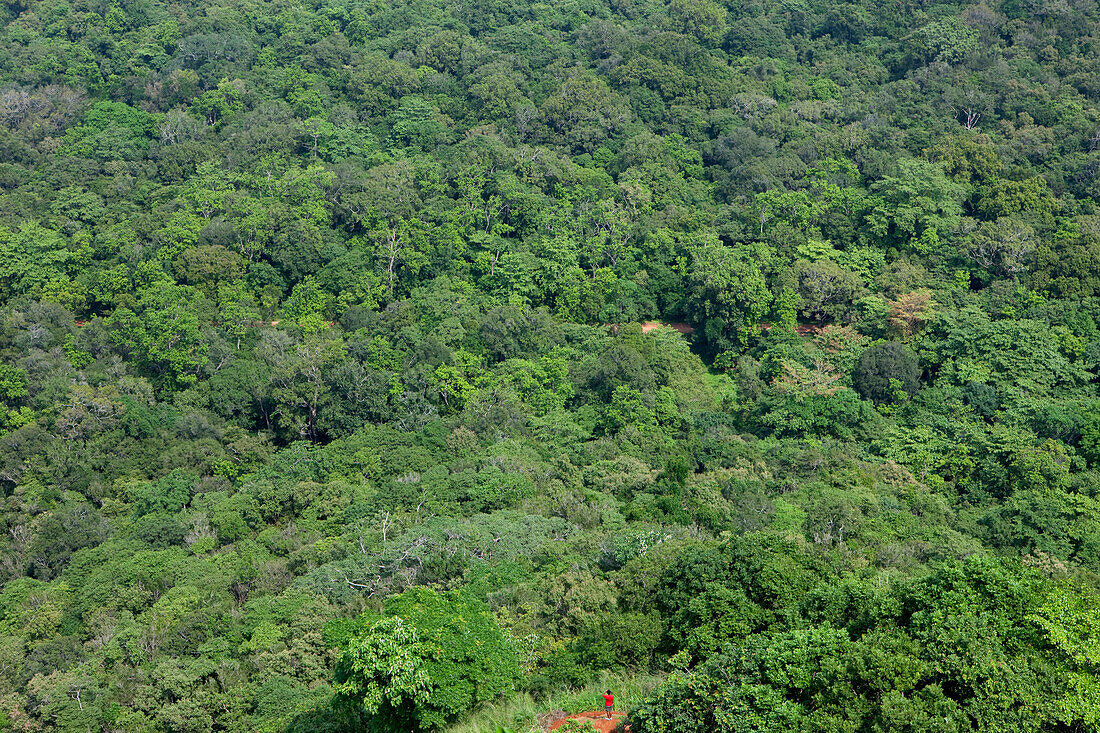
326, 404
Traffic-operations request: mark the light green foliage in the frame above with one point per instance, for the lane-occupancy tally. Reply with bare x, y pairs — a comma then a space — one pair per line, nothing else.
13, 382
1006, 351
112, 130
306, 306
169, 494
216, 106
383, 670
31, 257
815, 676
237, 311
920, 207
164, 333
947, 40
430, 658
1069, 618
826, 199
415, 124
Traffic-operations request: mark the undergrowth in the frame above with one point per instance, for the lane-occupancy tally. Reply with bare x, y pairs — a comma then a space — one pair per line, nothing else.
519, 712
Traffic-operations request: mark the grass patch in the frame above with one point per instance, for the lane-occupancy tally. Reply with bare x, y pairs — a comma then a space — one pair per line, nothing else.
518, 712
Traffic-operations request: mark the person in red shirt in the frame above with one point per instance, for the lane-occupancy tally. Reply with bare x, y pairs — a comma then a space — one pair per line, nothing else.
608, 702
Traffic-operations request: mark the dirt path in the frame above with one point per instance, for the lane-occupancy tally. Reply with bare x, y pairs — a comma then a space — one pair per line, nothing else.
603, 725
684, 328
650, 326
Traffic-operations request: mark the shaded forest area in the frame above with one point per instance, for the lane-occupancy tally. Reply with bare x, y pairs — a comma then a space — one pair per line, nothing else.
312, 417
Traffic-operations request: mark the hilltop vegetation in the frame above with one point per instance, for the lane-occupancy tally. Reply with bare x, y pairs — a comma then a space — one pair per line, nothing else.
312, 416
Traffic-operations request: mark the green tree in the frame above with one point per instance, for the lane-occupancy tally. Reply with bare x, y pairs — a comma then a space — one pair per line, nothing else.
417, 124
430, 658
382, 672
13, 383
237, 311
727, 292
704, 19
920, 205
216, 106
1069, 616
112, 130
31, 257
826, 290
164, 333
299, 380
885, 369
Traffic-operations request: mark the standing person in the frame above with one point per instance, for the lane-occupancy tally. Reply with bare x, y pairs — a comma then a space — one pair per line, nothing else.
608, 703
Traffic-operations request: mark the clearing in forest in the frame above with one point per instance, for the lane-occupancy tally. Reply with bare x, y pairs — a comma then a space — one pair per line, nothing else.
598, 719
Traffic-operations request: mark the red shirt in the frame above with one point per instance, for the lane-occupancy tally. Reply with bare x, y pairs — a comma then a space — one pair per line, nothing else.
608, 700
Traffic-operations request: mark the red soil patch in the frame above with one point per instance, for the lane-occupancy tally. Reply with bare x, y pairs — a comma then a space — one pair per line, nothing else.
649, 326
598, 717
678, 327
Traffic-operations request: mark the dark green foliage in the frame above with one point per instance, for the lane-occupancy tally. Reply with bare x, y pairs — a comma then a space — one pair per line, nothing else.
982, 398
902, 669
59, 534
885, 371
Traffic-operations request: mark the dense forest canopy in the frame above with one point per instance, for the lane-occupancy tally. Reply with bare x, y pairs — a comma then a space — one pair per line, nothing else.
325, 402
